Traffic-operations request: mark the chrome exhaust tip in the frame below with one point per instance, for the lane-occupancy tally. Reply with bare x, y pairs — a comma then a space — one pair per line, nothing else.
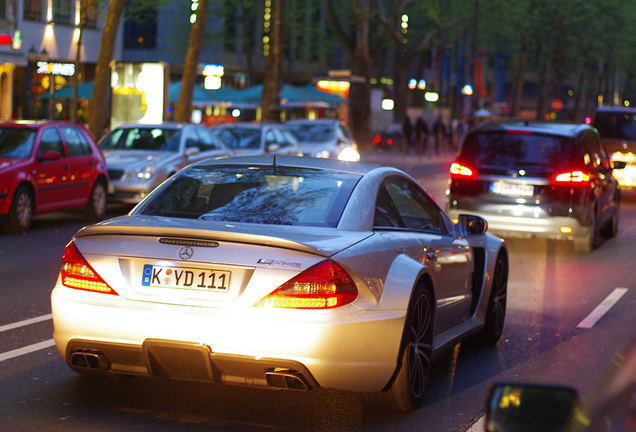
91, 360
286, 379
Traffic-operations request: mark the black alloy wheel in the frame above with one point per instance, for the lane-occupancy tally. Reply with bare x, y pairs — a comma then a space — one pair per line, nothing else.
409, 386
496, 311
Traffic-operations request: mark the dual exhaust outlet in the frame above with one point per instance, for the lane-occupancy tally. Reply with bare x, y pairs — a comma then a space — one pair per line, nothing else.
279, 378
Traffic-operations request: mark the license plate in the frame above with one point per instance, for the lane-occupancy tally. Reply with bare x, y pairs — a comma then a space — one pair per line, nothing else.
186, 278
514, 189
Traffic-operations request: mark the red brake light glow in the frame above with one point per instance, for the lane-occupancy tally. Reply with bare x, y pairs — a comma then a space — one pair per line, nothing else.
578, 177
323, 286
77, 273
458, 170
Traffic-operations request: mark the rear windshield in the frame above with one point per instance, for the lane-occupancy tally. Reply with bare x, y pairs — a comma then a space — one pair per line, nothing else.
257, 194
618, 125
16, 142
509, 149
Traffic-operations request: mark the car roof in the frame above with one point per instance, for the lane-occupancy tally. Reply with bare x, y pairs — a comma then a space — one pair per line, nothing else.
616, 109
534, 126
360, 168
253, 125
320, 120
166, 125
35, 124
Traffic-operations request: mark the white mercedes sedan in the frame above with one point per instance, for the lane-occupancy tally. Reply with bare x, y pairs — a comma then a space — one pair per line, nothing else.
285, 273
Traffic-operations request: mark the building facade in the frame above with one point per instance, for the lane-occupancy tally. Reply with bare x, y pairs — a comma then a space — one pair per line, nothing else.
39, 47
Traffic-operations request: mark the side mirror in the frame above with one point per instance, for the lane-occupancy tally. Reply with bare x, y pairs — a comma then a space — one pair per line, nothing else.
529, 407
192, 151
470, 225
619, 164
272, 147
51, 155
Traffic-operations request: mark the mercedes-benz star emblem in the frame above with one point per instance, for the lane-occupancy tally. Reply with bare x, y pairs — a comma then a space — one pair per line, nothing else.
186, 252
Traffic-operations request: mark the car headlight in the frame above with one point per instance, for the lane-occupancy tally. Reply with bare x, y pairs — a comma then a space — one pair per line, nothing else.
349, 154
146, 173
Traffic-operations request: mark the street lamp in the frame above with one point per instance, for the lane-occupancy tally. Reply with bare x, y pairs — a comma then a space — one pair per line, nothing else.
44, 56
32, 56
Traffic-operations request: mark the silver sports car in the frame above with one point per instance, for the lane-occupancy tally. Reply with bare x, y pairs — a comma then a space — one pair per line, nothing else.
281, 272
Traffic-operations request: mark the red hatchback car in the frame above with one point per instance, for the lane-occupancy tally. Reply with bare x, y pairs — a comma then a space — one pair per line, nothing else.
48, 166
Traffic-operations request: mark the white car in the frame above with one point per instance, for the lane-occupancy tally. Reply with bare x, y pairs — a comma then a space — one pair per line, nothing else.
283, 273
257, 139
140, 157
325, 138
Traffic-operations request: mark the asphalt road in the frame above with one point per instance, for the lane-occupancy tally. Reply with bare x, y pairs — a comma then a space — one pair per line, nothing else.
551, 292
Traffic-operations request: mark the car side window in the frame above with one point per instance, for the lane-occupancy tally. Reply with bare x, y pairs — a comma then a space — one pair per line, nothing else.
401, 205
206, 141
591, 156
192, 139
287, 139
605, 160
270, 138
76, 142
50, 141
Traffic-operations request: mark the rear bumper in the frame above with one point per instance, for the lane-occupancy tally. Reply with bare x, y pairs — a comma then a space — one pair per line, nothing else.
553, 227
353, 350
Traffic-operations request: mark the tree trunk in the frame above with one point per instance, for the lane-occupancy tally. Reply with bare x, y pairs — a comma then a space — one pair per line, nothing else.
183, 113
97, 105
400, 88
273, 69
521, 78
360, 89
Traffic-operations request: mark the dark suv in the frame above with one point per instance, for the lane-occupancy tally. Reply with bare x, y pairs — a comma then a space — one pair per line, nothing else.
536, 179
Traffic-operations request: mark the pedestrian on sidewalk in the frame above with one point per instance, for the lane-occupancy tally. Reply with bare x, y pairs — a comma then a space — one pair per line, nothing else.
421, 131
407, 131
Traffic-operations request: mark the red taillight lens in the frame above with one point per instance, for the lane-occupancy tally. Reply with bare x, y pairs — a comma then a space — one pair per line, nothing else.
76, 273
376, 140
460, 171
576, 177
325, 285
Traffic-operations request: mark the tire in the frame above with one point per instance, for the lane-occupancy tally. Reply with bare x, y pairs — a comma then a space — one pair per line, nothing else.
407, 390
610, 229
21, 211
587, 243
496, 310
96, 208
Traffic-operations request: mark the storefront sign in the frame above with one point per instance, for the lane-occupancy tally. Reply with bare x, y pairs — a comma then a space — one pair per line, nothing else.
64, 69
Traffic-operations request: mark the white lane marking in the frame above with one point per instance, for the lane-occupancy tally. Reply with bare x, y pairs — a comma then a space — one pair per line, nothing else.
480, 426
27, 350
601, 309
25, 322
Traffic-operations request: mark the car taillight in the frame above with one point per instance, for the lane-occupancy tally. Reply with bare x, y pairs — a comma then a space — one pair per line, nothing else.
325, 285
569, 177
376, 140
77, 273
458, 170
